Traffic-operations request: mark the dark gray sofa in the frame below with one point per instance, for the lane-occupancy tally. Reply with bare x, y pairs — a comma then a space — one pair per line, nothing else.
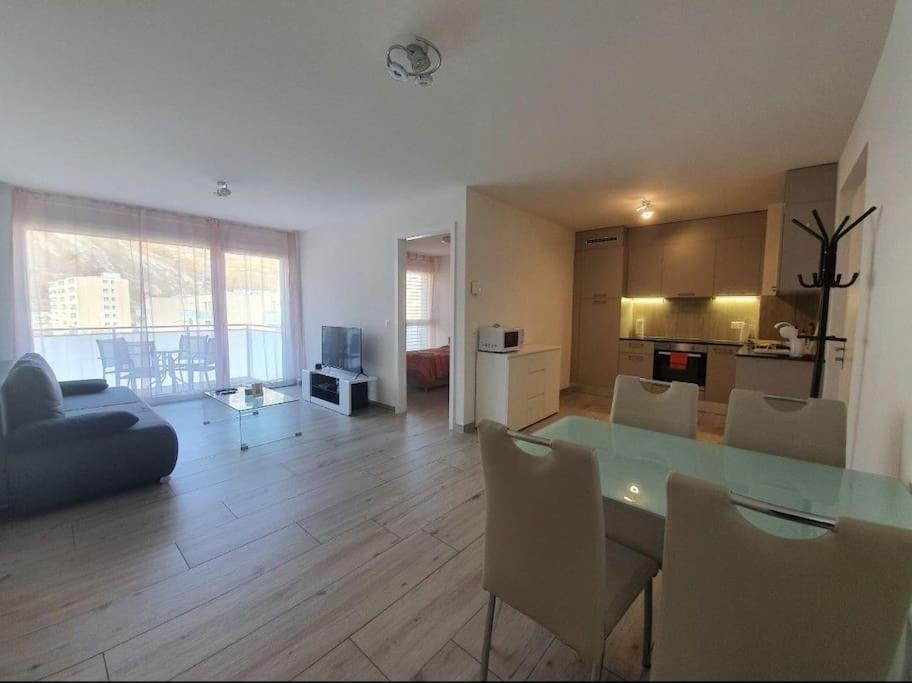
74, 441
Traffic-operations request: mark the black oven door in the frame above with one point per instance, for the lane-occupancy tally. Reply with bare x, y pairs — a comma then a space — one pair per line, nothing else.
680, 366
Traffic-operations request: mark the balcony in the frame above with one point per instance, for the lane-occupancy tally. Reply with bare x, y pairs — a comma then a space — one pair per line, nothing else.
254, 353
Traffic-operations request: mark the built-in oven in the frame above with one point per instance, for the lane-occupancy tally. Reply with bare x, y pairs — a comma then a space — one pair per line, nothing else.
680, 362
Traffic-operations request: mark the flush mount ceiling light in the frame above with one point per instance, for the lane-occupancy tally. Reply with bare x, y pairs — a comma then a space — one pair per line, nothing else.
222, 189
423, 58
645, 209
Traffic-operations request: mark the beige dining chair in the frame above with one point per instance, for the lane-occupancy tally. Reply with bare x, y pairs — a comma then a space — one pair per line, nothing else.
672, 411
739, 603
546, 554
811, 429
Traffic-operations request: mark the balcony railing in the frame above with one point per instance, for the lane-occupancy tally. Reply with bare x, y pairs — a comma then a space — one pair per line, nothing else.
254, 353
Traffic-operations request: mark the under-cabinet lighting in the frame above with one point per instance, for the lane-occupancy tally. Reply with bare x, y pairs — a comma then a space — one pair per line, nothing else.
736, 299
646, 299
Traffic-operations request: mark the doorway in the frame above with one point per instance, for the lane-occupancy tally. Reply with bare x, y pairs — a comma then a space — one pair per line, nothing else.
426, 325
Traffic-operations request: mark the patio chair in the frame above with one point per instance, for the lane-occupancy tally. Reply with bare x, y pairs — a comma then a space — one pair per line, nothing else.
114, 358
196, 355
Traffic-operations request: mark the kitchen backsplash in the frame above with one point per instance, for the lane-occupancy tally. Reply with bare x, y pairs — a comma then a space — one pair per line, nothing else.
690, 318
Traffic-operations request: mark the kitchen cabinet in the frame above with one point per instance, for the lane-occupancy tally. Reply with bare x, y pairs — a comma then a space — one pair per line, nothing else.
720, 373
635, 358
644, 270
799, 252
738, 265
775, 376
687, 267
596, 339
599, 272
806, 189
519, 388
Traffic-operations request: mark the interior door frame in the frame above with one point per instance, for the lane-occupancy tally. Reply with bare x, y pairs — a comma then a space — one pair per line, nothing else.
455, 341
840, 382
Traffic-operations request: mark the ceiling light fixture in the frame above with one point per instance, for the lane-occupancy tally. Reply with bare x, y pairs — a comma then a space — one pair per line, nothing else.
222, 189
423, 58
645, 209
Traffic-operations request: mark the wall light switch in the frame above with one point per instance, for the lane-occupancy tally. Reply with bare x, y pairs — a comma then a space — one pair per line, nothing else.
475, 288
388, 323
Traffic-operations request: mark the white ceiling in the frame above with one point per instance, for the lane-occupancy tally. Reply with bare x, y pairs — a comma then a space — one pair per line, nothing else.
570, 109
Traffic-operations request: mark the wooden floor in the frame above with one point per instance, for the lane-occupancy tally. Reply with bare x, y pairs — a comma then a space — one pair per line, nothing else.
351, 552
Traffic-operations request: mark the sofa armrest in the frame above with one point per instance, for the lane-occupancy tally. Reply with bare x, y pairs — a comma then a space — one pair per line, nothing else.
41, 433
78, 387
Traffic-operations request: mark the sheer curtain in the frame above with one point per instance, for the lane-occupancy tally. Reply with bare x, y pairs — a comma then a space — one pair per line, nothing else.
419, 301
152, 299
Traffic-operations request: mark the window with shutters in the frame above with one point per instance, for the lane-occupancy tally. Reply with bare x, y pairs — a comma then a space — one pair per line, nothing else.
417, 310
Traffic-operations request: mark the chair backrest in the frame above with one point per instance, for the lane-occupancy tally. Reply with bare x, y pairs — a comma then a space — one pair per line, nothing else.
739, 603
140, 354
113, 353
545, 536
814, 430
192, 343
673, 411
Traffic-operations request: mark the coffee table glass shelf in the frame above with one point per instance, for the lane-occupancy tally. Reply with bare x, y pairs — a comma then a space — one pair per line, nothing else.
248, 405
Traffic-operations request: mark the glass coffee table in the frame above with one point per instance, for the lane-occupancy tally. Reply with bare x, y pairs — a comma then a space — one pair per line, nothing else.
247, 406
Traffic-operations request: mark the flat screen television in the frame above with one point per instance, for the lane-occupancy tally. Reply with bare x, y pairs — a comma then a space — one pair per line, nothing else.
342, 348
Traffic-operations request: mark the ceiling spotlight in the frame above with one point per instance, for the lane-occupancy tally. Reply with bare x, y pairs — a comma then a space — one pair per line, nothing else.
222, 189
423, 58
645, 209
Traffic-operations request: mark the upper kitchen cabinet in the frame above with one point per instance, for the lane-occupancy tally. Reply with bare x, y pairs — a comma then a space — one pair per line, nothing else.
806, 189
644, 270
687, 267
738, 265
599, 264
799, 252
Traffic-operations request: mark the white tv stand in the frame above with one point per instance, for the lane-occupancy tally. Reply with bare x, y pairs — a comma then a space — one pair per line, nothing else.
338, 390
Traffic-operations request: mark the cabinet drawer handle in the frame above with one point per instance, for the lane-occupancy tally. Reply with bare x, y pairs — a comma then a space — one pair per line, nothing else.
638, 359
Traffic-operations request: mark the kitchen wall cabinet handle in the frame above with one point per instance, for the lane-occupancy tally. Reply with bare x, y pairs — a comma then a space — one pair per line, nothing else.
686, 293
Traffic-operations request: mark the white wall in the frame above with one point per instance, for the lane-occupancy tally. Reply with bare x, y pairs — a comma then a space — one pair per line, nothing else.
524, 267
6, 272
349, 278
443, 305
882, 396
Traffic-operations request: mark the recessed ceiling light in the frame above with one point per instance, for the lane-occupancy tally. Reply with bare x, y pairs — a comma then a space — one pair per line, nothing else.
645, 209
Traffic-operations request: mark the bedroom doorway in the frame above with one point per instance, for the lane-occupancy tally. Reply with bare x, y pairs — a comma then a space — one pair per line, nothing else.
426, 325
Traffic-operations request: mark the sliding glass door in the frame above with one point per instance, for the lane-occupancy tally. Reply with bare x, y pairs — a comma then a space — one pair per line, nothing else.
161, 303
254, 307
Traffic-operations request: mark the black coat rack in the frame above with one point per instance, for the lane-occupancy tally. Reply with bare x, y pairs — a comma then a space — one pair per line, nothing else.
826, 278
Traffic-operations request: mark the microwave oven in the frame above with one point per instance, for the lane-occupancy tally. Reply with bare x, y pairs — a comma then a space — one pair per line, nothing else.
499, 339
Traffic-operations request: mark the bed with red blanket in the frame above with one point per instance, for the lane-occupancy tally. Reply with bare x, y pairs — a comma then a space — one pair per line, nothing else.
428, 368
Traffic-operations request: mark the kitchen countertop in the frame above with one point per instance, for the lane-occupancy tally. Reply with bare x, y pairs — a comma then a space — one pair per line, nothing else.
685, 340
773, 356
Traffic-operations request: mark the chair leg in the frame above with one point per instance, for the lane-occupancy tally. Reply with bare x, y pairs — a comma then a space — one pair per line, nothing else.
647, 625
489, 629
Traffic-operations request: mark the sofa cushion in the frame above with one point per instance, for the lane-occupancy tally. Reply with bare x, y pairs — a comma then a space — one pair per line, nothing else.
62, 430
113, 396
30, 392
80, 387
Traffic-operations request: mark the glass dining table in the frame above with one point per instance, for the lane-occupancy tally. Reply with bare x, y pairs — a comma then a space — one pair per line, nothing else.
634, 465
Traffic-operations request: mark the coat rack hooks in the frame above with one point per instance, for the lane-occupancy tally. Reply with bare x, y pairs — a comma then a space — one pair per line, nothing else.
826, 278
